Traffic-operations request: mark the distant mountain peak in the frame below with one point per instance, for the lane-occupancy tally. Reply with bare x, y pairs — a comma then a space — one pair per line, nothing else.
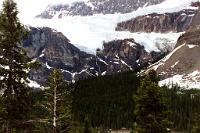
91, 7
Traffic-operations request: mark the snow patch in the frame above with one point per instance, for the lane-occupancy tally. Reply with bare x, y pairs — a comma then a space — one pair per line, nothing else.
192, 46
48, 67
103, 73
174, 64
41, 55
116, 63
183, 14
34, 84
185, 81
102, 60
90, 5
131, 44
123, 62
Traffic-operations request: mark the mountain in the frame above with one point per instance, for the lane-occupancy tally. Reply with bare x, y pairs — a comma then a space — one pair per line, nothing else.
182, 65
95, 29
54, 51
159, 23
120, 41
92, 7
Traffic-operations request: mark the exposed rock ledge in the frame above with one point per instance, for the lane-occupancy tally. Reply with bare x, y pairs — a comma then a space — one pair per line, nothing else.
159, 23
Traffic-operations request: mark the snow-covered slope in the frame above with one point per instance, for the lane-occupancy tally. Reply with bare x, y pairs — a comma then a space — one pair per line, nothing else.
91, 31
182, 65
91, 7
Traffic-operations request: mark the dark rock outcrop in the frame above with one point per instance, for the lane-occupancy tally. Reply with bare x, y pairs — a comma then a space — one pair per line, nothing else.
95, 7
160, 23
54, 50
192, 35
123, 55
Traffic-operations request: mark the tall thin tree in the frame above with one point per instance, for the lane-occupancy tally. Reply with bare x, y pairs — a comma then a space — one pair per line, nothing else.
15, 65
152, 108
58, 104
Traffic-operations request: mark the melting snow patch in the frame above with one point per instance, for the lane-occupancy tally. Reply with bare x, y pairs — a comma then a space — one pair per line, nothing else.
123, 62
132, 44
169, 81
103, 73
174, 64
48, 67
102, 61
155, 67
73, 77
188, 82
191, 15
90, 5
41, 55
34, 84
183, 14
192, 46
194, 73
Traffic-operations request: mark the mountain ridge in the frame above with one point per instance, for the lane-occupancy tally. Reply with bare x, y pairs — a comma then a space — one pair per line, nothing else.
125, 54
92, 7
54, 51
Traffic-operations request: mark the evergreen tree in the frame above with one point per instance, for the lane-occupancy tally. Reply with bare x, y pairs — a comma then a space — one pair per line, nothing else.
86, 128
196, 126
15, 65
58, 104
152, 108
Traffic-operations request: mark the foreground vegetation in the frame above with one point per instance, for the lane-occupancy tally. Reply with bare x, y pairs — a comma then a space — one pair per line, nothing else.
109, 102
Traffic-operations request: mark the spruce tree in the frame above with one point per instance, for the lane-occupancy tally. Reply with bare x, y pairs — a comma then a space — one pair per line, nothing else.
152, 108
86, 128
15, 65
58, 104
196, 125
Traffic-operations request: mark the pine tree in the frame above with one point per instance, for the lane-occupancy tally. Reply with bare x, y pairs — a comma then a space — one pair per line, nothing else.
86, 128
152, 108
58, 104
196, 127
15, 65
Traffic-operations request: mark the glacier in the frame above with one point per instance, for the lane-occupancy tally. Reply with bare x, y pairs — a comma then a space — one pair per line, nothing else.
88, 33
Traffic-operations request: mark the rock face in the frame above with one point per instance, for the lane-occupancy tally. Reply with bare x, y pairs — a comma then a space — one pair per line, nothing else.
159, 23
54, 51
123, 55
95, 7
184, 59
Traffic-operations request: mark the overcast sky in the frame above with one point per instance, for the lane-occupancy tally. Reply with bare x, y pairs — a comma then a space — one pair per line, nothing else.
29, 8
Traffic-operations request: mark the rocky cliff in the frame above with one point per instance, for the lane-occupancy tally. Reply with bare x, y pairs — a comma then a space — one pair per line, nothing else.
159, 23
123, 55
184, 59
94, 7
55, 51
